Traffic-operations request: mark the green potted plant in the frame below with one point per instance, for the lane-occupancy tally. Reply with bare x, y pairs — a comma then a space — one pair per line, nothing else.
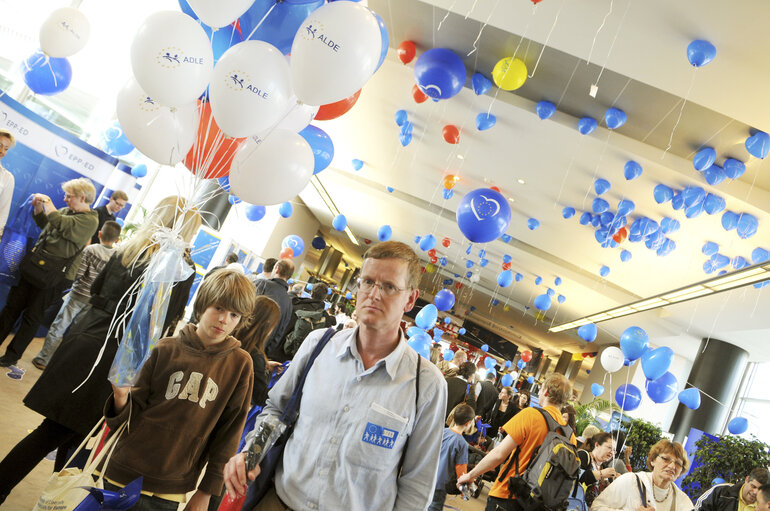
641, 436
585, 414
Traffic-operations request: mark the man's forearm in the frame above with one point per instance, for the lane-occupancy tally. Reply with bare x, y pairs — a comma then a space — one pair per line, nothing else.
489, 462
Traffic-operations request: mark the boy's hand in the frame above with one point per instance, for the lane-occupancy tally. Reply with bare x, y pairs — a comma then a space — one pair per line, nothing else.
120, 397
235, 475
198, 502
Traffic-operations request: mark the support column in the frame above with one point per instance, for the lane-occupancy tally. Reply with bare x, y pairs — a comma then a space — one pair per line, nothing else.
717, 371
564, 362
546, 363
573, 370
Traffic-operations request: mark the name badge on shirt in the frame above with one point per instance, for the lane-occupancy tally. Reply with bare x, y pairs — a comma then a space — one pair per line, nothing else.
380, 436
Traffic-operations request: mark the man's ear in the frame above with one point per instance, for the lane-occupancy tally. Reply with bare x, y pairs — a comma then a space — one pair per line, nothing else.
413, 294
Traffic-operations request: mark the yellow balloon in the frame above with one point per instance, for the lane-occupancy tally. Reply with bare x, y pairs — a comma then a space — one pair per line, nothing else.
577, 356
507, 308
509, 74
430, 268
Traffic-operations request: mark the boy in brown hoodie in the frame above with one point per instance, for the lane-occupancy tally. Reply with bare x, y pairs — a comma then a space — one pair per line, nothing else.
189, 405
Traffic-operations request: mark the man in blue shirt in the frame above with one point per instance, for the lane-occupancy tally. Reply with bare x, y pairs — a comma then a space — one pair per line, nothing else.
454, 453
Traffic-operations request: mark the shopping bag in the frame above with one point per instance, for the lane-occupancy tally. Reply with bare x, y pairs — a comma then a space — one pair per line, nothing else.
18, 236
66, 489
99, 499
232, 504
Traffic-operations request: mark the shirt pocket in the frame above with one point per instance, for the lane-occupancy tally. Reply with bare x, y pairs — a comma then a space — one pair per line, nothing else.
378, 438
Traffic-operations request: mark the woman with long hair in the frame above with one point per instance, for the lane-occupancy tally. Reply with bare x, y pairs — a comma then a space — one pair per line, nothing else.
253, 336
502, 411
597, 451
73, 388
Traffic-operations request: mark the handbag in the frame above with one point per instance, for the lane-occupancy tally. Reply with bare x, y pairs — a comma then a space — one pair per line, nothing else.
66, 489
17, 236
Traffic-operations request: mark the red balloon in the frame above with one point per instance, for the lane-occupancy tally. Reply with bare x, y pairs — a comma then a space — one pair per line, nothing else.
446, 242
432, 252
526, 356
458, 285
212, 153
406, 51
621, 235
422, 269
433, 259
506, 266
418, 95
286, 253
495, 189
451, 134
334, 110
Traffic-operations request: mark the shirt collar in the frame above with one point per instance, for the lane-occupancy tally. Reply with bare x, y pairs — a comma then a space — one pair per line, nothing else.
346, 346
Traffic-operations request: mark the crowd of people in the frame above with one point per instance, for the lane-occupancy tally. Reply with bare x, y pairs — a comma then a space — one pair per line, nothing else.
378, 427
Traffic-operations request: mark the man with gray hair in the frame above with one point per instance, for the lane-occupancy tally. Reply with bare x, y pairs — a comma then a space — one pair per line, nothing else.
7, 183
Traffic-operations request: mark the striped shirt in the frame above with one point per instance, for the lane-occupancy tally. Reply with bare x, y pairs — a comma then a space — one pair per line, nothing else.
91, 264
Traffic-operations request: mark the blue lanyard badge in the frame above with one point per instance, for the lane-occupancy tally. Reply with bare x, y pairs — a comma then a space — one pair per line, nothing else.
379, 436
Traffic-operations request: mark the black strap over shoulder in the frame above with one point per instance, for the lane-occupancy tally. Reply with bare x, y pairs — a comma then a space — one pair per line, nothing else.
416, 398
642, 490
554, 426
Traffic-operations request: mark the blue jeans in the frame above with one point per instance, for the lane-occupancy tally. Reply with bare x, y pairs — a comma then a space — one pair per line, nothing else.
439, 497
146, 503
69, 310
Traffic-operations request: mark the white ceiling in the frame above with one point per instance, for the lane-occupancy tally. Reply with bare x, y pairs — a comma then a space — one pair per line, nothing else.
647, 75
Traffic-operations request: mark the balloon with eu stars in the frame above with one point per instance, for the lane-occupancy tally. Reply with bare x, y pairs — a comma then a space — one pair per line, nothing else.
483, 215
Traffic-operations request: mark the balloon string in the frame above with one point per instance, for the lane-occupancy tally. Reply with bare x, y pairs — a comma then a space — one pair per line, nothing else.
748, 194
612, 45
445, 15
596, 35
483, 26
472, 8
564, 92
596, 169
681, 110
547, 38
526, 29
260, 21
566, 174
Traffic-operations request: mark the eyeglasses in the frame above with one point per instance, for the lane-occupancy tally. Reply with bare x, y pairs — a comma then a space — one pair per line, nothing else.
669, 461
387, 289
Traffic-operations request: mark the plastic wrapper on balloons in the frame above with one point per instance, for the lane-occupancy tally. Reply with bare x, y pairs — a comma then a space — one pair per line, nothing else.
145, 327
64, 33
628, 397
406, 51
545, 109
440, 73
483, 215
338, 108
509, 74
46, 75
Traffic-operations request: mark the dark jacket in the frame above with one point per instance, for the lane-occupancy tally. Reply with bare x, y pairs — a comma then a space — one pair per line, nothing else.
486, 398
104, 216
300, 304
52, 395
456, 394
722, 497
261, 378
65, 234
497, 419
278, 290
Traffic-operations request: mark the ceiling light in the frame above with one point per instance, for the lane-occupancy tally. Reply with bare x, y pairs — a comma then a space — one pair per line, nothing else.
521, 181
460, 157
511, 199
743, 277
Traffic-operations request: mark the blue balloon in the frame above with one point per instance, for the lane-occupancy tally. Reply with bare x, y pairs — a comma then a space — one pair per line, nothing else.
662, 193
533, 223
483, 215
625, 256
427, 242
115, 143
663, 389
420, 345
714, 175
719, 261
401, 117
531, 380
295, 243
628, 397
738, 425
468, 274
481, 84
666, 248
46, 75
601, 186
414, 330
280, 27
588, 332
704, 158
550, 292
733, 168
407, 128
318, 243
758, 144
483, 262
469, 263
694, 210
356, 164
625, 207
139, 171
518, 277
505, 278
669, 225
448, 355
285, 209
255, 213
717, 480
587, 125
427, 317
693, 195
690, 398
447, 319
759, 255
538, 280
740, 262
520, 364
634, 342
349, 295
321, 144
700, 52
568, 212
442, 261
340, 222
656, 362
545, 109
614, 118
507, 379
747, 226
597, 390
585, 218
677, 201
632, 170
506, 238
714, 204
444, 301
384, 37
461, 331
600, 205
710, 248
729, 220
440, 73
448, 194
484, 121
489, 362
485, 348
543, 302
604, 271
384, 233
561, 298
232, 199
507, 258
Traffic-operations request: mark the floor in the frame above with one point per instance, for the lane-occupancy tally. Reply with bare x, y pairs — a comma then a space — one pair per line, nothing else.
17, 420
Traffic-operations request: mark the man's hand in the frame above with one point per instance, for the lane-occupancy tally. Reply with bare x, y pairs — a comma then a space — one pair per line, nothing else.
235, 475
464, 479
120, 397
198, 502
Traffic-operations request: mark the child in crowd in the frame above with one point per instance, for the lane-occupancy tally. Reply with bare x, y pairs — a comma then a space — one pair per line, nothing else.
93, 261
189, 404
453, 461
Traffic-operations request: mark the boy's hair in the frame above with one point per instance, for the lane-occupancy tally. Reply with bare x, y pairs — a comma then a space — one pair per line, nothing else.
269, 264
462, 415
232, 257
398, 250
228, 289
466, 370
319, 291
110, 231
119, 195
559, 389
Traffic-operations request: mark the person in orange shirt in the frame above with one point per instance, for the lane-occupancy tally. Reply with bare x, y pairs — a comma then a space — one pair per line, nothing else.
526, 430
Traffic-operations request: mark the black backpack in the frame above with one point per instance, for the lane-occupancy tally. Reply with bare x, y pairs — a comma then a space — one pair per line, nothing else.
547, 483
307, 321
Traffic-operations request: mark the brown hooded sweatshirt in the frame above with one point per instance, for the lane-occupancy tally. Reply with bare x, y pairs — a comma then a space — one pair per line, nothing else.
188, 408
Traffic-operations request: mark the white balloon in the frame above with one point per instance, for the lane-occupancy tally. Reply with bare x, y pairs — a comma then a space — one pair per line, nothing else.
220, 12
250, 88
161, 133
335, 52
612, 359
273, 170
171, 58
64, 32
299, 115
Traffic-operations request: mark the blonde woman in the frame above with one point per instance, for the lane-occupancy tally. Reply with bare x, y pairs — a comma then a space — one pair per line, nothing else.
70, 414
